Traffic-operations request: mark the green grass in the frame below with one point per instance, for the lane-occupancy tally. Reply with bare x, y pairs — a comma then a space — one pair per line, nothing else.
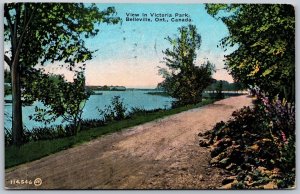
36, 150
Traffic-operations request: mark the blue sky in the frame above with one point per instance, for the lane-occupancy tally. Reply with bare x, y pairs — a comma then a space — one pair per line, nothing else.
129, 53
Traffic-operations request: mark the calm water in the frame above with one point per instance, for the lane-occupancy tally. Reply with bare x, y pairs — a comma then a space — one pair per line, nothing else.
131, 98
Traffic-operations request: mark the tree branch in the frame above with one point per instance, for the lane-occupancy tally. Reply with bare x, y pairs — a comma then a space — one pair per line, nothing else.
7, 60
8, 19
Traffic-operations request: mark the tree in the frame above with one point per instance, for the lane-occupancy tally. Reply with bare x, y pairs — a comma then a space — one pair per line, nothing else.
219, 89
264, 35
41, 33
184, 80
61, 99
226, 86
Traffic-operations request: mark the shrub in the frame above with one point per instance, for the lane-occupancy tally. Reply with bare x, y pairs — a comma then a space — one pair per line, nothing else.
258, 144
115, 111
107, 113
88, 123
141, 111
118, 107
7, 137
137, 111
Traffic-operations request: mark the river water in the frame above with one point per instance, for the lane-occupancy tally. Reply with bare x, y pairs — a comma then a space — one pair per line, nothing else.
131, 98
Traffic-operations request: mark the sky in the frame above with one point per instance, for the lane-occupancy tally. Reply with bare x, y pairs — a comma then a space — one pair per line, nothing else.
129, 53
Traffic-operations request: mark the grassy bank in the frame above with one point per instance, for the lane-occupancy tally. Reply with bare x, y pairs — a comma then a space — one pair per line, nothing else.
38, 149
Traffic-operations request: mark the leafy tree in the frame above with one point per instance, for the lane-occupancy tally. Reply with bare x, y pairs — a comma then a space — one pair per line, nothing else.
264, 35
61, 98
184, 80
41, 33
226, 86
219, 89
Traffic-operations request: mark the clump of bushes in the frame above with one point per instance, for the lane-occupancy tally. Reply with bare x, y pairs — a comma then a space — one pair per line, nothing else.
257, 146
40, 133
142, 111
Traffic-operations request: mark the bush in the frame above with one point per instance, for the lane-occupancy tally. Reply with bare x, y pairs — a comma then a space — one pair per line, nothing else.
118, 107
257, 144
50, 133
40, 133
115, 111
7, 137
141, 111
107, 113
137, 111
90, 123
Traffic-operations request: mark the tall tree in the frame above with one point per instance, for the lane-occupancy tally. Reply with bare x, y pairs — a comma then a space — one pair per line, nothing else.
41, 33
184, 80
264, 35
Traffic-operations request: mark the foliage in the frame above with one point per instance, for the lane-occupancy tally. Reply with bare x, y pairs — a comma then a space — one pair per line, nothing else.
41, 33
107, 113
54, 31
118, 107
7, 76
257, 145
7, 137
105, 87
7, 82
139, 111
115, 111
236, 86
61, 99
91, 123
264, 35
215, 89
219, 90
183, 79
39, 133
7, 90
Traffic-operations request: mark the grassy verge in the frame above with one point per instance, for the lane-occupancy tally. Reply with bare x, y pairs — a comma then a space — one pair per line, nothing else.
38, 149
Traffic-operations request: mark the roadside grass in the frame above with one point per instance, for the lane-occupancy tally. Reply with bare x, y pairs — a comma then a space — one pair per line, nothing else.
38, 149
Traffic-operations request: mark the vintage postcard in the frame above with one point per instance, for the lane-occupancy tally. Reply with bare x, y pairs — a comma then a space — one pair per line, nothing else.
149, 96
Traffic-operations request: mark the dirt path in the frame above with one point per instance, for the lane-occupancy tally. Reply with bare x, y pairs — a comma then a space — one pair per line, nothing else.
160, 154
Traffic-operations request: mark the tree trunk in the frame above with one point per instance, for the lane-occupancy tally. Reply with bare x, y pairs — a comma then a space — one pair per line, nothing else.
17, 126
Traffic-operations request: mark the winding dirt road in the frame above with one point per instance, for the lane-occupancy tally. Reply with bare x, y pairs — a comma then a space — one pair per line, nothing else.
162, 154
